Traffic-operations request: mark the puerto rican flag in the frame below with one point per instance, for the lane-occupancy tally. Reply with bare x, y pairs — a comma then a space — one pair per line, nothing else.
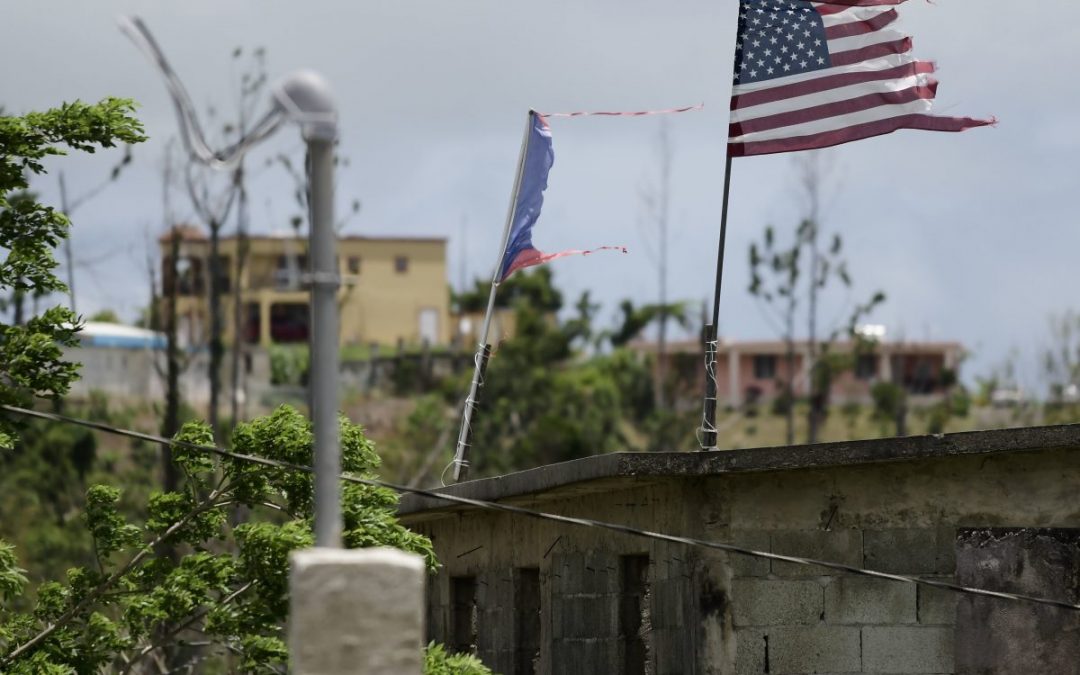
815, 74
538, 159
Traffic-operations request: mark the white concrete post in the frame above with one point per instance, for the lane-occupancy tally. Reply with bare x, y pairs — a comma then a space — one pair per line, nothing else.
734, 375
356, 611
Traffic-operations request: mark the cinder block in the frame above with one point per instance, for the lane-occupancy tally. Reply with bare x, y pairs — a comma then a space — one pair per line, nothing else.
749, 651
817, 649
495, 602
356, 611
599, 573
910, 551
669, 604
577, 573
583, 656
744, 565
566, 571
672, 652
776, 602
584, 617
907, 649
841, 546
862, 600
937, 606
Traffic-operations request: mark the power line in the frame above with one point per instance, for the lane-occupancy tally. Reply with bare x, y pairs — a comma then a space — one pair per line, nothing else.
541, 515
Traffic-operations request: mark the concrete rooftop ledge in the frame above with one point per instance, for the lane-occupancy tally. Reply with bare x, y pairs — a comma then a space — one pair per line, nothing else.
630, 465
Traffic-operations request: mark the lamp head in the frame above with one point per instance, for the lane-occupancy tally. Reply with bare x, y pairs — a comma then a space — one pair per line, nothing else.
304, 96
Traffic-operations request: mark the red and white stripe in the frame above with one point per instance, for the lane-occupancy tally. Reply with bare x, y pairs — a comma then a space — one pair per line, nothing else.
873, 87
622, 113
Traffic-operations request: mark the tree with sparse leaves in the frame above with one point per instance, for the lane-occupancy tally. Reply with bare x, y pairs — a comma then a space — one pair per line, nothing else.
31, 351
1061, 359
135, 604
777, 281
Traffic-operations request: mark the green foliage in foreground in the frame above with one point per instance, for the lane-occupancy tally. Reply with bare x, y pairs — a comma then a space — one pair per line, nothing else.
185, 586
31, 362
438, 662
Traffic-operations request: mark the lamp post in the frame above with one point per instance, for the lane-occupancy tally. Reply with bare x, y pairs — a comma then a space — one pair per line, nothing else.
303, 97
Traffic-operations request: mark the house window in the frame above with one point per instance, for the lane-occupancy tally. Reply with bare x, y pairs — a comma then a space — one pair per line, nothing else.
866, 366
188, 277
224, 277
354, 264
289, 272
463, 615
401, 264
635, 622
527, 621
289, 322
253, 323
764, 366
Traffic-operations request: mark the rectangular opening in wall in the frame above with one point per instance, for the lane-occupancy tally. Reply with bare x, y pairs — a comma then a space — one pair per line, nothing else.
526, 621
866, 366
463, 614
289, 322
253, 323
764, 366
635, 624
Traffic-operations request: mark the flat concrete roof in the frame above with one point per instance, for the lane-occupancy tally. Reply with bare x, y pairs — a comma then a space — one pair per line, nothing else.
614, 468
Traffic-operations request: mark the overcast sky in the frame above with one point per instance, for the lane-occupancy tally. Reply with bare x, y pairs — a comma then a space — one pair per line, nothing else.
974, 236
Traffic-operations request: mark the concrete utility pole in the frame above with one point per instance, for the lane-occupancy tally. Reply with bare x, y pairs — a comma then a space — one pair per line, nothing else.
303, 97
357, 611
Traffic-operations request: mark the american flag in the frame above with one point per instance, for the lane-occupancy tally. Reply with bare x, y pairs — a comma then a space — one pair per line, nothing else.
815, 74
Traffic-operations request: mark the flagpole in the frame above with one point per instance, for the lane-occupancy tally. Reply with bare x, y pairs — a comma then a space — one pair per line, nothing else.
708, 424
483, 351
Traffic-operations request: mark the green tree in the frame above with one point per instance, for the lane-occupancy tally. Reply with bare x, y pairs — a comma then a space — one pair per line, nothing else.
775, 274
438, 662
134, 603
105, 316
633, 320
31, 351
541, 404
777, 282
1061, 359
534, 288
890, 406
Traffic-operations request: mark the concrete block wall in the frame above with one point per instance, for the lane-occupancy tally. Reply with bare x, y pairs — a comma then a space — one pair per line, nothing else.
713, 613
791, 619
1043, 562
580, 590
584, 599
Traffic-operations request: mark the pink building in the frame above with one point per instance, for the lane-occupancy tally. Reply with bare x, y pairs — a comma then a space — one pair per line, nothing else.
758, 370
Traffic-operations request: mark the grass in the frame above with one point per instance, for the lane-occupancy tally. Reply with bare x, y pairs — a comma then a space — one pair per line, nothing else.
765, 429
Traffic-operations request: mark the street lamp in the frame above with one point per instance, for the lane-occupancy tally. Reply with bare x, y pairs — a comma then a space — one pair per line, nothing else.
303, 97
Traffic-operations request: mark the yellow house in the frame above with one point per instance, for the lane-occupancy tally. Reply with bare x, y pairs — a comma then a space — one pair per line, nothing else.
393, 289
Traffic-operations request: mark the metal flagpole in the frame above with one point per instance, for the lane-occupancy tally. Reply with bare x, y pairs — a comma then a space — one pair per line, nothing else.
483, 351
708, 424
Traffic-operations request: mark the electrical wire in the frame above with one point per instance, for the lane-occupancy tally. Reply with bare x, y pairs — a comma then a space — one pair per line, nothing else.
541, 515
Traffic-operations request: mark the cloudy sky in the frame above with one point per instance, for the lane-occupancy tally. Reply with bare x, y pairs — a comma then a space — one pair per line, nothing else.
974, 237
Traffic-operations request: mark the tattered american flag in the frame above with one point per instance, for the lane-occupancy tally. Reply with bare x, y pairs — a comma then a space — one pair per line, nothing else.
815, 74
